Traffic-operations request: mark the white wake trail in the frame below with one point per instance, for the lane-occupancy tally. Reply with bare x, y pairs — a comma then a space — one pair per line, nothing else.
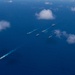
45, 29
48, 28
10, 52
32, 31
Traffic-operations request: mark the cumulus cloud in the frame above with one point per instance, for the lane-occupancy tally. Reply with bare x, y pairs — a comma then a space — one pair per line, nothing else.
48, 3
60, 33
57, 33
71, 39
64, 33
4, 25
10, 1
73, 9
45, 14
72, 0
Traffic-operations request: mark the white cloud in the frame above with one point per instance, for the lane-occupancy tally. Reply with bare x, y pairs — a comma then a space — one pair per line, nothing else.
73, 9
72, 0
64, 33
4, 25
57, 33
10, 1
71, 39
45, 14
48, 3
60, 33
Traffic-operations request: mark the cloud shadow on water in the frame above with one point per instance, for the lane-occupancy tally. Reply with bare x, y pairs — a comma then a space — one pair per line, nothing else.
51, 41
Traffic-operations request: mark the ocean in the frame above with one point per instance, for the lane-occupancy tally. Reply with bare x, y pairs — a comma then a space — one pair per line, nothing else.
37, 55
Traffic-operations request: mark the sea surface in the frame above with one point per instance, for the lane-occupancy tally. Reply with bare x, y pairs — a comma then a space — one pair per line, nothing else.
37, 55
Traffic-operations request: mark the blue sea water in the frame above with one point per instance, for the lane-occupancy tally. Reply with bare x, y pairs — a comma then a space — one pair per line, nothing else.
38, 55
